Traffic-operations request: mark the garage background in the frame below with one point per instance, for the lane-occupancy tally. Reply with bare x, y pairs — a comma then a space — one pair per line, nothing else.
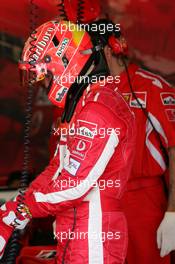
149, 28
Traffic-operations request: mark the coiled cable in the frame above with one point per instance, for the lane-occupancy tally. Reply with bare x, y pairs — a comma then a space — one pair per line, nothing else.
80, 11
62, 11
13, 246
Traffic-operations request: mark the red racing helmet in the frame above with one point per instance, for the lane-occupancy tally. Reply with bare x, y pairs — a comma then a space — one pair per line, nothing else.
55, 53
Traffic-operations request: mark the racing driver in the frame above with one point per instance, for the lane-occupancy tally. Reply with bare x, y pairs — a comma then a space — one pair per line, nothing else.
84, 182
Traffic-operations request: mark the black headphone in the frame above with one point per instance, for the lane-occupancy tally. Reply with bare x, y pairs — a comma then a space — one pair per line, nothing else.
111, 36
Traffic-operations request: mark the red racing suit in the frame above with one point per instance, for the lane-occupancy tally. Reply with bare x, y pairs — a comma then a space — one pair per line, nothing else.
85, 180
146, 196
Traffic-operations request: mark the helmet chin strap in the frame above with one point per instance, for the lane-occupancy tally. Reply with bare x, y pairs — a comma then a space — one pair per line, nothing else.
94, 49
76, 90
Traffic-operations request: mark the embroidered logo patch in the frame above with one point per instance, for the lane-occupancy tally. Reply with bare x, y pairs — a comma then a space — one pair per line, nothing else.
141, 100
168, 98
80, 148
170, 113
86, 129
72, 167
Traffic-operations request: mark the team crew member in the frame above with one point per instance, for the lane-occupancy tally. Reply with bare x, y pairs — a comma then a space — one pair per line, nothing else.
86, 178
151, 221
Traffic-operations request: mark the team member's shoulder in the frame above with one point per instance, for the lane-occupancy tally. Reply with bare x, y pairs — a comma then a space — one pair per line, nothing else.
152, 79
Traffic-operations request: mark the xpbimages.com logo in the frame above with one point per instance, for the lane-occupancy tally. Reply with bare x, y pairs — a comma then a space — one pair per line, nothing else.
102, 132
101, 28
102, 185
101, 80
101, 236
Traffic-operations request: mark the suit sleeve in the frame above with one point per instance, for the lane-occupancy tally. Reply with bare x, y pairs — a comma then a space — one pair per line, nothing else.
90, 146
46, 176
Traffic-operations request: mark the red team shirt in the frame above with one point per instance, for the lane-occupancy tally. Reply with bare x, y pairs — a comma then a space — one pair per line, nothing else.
158, 98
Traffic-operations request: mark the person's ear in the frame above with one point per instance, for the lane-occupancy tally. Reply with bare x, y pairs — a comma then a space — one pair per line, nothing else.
108, 53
